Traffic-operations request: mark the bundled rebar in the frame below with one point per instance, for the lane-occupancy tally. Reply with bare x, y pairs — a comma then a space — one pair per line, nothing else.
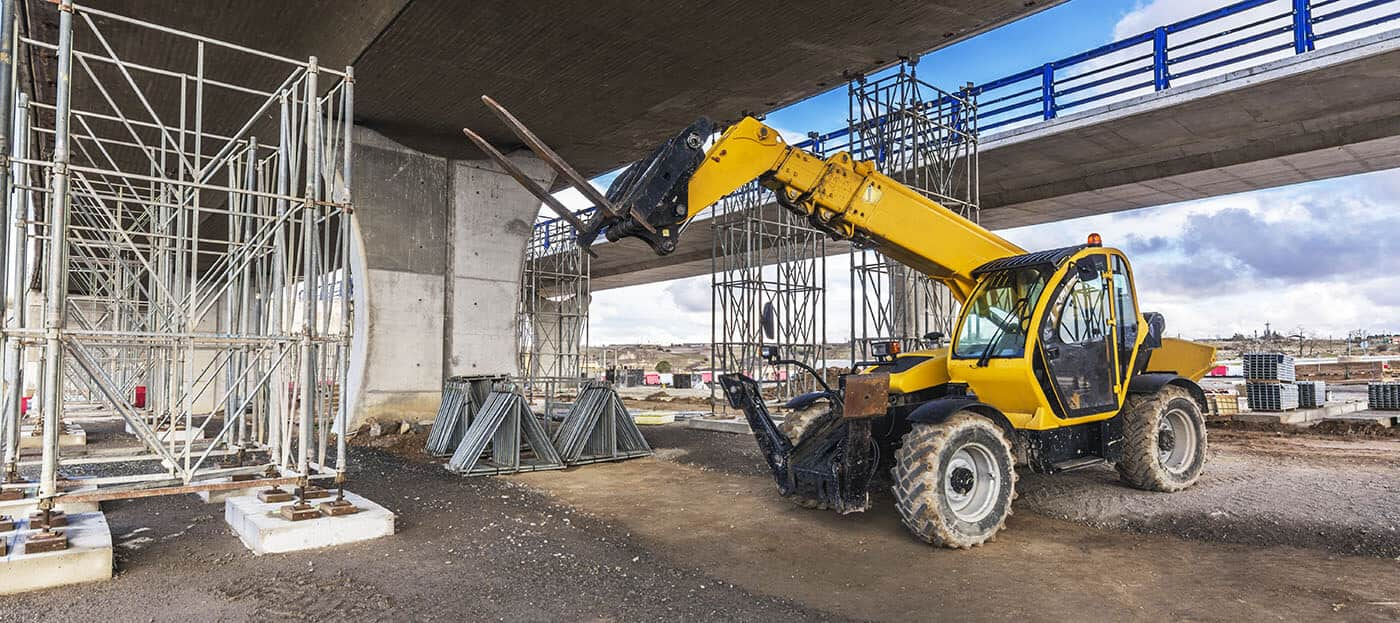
462, 397
599, 428
1384, 396
504, 438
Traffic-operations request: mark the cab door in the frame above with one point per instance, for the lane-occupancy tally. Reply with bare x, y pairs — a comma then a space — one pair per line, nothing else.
1078, 341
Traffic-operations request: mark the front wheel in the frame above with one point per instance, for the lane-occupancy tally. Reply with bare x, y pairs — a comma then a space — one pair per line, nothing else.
954, 481
1164, 441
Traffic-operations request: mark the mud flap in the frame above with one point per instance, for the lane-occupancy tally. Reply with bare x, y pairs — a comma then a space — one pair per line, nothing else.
822, 467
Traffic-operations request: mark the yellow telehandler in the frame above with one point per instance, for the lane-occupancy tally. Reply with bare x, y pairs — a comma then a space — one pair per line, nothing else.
1051, 363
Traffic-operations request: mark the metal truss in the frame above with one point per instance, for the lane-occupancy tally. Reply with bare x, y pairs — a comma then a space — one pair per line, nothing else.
764, 254
181, 232
927, 139
553, 314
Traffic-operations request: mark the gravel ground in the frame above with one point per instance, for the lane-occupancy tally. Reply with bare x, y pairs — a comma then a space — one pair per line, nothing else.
1259, 488
695, 535
465, 549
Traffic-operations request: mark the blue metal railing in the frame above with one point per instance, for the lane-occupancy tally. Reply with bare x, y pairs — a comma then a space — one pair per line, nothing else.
1231, 37
1236, 36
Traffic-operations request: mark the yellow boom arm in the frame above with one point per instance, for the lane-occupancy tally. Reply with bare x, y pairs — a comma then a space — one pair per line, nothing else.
851, 200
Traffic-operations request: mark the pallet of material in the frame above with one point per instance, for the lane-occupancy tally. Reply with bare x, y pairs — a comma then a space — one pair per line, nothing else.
1269, 367
1383, 396
654, 418
1224, 406
1311, 394
1272, 396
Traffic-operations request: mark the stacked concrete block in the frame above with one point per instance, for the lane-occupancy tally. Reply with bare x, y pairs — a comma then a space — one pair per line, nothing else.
1311, 394
1269, 382
1383, 396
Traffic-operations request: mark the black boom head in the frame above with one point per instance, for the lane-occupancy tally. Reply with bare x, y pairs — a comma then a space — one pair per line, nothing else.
653, 188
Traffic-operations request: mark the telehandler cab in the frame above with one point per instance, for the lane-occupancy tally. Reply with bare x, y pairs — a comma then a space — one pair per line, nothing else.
1051, 363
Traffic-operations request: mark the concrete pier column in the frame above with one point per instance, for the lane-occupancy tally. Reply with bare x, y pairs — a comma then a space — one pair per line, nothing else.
439, 252
491, 226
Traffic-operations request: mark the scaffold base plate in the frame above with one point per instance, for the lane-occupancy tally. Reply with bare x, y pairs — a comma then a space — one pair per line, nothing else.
88, 557
263, 530
338, 508
73, 435
312, 493
57, 518
271, 496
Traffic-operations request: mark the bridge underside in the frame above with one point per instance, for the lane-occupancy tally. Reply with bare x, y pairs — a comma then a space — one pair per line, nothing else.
1330, 113
602, 82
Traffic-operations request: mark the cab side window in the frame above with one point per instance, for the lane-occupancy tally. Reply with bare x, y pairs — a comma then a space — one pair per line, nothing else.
1083, 314
1125, 311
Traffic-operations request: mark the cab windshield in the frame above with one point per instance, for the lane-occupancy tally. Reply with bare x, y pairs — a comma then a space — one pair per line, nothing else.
999, 314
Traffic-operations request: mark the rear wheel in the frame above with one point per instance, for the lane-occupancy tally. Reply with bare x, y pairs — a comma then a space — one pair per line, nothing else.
1164, 441
954, 481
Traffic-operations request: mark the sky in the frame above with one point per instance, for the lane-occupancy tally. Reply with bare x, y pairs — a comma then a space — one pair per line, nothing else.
1318, 258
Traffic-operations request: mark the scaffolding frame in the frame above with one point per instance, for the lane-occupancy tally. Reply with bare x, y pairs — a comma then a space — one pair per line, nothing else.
168, 243
927, 139
764, 254
553, 314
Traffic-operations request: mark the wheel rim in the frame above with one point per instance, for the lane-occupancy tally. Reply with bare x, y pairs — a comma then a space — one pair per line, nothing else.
971, 481
1176, 441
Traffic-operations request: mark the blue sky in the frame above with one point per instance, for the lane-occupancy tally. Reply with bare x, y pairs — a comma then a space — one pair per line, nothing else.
1324, 283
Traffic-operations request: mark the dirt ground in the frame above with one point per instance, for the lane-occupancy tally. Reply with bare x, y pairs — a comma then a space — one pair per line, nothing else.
1308, 531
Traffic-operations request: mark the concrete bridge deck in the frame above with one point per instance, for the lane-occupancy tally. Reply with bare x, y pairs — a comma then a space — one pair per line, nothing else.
1327, 113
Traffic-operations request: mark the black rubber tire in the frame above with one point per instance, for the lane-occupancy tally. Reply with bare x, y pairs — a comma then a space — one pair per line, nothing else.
802, 421
918, 474
1141, 466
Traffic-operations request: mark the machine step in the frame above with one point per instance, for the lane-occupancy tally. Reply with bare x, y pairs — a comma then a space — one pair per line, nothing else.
1079, 463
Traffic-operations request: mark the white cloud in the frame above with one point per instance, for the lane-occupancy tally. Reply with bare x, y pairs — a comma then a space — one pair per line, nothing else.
1316, 256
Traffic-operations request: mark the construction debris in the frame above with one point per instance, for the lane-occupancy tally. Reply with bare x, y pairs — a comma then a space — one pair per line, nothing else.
504, 438
599, 428
462, 397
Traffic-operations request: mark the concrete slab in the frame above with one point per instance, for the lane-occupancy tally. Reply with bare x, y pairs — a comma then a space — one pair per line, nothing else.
1380, 418
263, 530
73, 435
87, 559
1302, 417
736, 425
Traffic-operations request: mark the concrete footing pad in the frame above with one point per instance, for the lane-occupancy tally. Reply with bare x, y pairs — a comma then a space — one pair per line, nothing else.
72, 435
222, 496
263, 530
25, 506
181, 435
87, 559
